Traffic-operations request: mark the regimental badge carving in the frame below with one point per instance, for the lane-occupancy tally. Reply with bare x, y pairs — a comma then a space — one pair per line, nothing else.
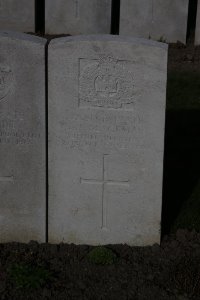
6, 80
106, 83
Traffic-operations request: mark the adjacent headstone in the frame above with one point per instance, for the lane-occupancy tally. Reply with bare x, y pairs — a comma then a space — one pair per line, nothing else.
163, 20
78, 16
136, 18
17, 15
22, 138
197, 32
106, 131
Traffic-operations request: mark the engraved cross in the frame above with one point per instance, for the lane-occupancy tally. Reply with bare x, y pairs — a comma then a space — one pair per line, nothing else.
152, 18
77, 8
152, 11
104, 182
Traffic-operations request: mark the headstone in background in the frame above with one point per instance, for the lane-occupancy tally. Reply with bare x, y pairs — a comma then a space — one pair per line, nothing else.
106, 133
22, 137
197, 33
136, 18
170, 20
17, 15
77, 16
164, 20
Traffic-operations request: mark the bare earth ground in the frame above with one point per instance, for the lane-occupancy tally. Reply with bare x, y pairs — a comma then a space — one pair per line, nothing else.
167, 272
184, 58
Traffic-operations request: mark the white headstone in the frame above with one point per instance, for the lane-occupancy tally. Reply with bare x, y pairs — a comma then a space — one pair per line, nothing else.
17, 15
164, 20
197, 33
78, 16
106, 131
22, 137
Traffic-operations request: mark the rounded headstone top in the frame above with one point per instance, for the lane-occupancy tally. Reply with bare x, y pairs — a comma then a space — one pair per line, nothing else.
14, 35
108, 38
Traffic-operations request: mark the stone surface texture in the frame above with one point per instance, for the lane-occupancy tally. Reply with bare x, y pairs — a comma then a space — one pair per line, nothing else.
197, 33
78, 16
106, 134
22, 138
17, 15
164, 20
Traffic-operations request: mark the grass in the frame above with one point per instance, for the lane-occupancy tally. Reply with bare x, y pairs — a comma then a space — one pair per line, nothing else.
189, 216
102, 256
183, 90
27, 276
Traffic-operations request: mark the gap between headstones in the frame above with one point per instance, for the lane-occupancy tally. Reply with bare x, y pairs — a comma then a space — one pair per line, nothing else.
40, 16
191, 24
115, 17
46, 124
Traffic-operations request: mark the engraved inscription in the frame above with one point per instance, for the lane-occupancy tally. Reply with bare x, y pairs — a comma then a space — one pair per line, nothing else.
98, 131
106, 83
12, 132
104, 181
6, 80
6, 178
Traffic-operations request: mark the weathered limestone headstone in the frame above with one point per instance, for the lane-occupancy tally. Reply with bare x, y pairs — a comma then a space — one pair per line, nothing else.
164, 20
22, 137
106, 129
197, 33
135, 18
78, 16
17, 15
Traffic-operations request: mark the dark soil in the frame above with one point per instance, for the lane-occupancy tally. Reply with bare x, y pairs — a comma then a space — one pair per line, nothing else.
170, 271
166, 272
184, 58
